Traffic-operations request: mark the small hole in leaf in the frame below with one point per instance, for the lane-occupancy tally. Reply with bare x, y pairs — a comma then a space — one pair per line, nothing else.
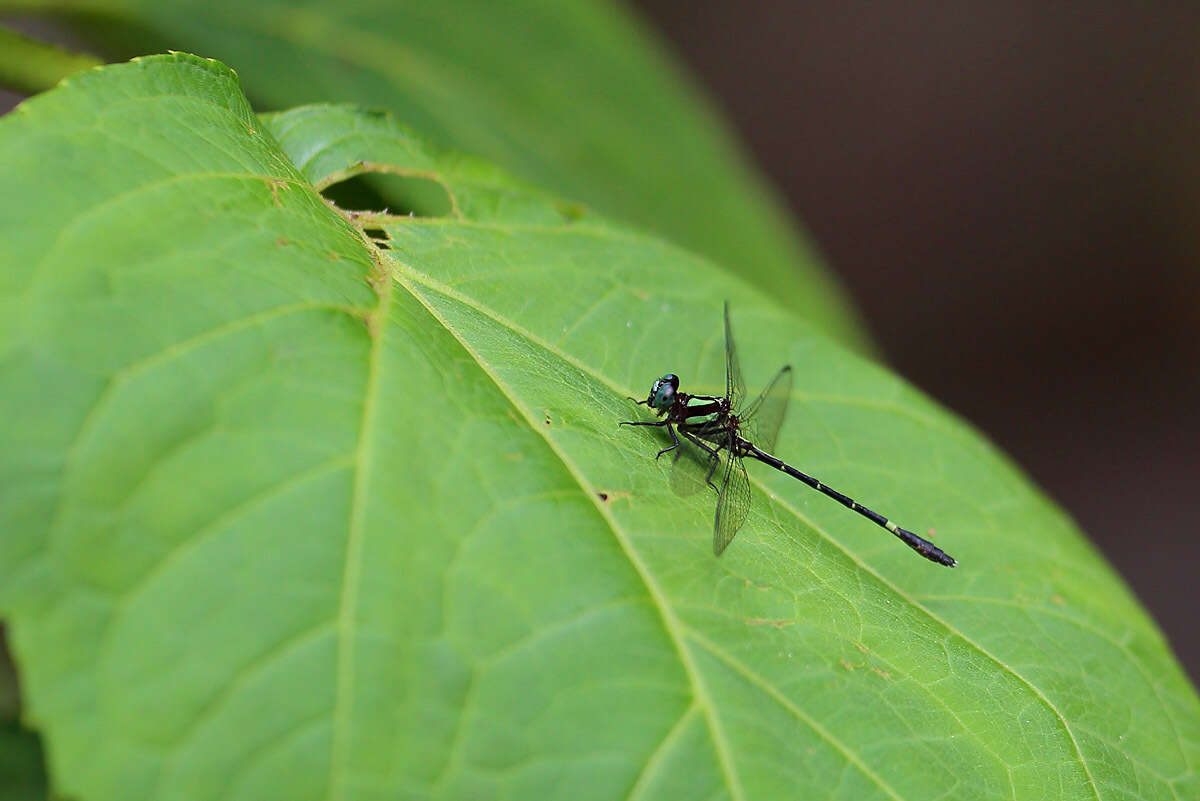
379, 237
399, 195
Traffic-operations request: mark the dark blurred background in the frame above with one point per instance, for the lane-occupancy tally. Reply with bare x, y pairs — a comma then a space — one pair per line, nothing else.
1011, 193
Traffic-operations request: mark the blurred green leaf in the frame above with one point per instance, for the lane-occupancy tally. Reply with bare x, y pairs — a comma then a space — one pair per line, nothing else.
575, 96
30, 66
290, 515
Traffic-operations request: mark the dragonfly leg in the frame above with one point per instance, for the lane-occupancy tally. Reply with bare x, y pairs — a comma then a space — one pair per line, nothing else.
674, 438
714, 459
658, 423
712, 468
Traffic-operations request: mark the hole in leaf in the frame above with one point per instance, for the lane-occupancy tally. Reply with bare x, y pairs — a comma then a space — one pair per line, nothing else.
400, 194
379, 237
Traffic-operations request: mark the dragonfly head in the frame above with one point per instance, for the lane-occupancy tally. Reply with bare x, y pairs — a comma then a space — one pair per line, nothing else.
662, 393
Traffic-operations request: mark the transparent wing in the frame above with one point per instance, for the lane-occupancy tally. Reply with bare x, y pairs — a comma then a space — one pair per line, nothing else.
711, 431
762, 419
733, 502
735, 387
690, 471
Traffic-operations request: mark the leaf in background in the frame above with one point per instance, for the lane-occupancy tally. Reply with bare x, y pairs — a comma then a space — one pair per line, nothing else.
577, 97
291, 516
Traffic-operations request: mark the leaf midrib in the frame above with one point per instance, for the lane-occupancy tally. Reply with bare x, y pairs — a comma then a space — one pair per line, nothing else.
348, 604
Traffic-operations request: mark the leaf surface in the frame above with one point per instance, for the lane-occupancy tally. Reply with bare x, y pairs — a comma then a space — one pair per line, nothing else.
577, 97
291, 515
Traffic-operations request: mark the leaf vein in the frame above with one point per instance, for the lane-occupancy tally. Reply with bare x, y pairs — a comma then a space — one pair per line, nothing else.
436, 286
773, 692
347, 606
671, 624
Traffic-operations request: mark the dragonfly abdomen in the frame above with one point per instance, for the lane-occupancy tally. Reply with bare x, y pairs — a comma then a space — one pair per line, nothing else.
917, 543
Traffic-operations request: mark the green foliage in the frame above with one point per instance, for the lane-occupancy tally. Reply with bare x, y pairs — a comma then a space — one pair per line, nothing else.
29, 66
289, 515
574, 96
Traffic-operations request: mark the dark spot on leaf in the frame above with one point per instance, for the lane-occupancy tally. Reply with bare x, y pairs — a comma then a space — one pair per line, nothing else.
570, 212
282, 242
603, 496
387, 192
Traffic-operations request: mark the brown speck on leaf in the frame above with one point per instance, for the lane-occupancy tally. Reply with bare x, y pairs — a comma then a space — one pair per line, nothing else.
275, 185
603, 496
862, 647
846, 665
766, 621
1058, 599
378, 279
882, 673
282, 242
762, 587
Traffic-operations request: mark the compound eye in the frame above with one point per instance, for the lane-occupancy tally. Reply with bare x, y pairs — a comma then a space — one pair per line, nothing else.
662, 394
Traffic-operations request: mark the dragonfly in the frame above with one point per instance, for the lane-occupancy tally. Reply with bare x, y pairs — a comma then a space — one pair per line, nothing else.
724, 433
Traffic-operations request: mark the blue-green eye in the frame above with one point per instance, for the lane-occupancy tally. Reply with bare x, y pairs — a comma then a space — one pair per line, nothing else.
662, 394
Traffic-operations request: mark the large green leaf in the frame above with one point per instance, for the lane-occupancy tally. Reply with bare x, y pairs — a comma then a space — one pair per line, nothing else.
289, 515
573, 95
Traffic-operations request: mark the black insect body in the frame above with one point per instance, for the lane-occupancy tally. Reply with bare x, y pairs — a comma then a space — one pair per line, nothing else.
725, 434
